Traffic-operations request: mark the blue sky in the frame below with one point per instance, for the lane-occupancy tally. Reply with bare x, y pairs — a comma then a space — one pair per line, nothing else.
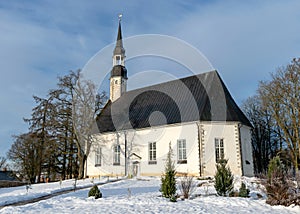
40, 40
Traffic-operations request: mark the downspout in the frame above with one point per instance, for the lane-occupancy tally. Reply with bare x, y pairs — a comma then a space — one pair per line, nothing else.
126, 162
199, 147
241, 151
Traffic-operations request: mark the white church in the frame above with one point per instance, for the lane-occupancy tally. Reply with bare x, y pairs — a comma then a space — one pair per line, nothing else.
195, 115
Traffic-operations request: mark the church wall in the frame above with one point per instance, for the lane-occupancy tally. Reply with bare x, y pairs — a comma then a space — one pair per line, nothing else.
247, 156
138, 143
106, 142
163, 136
229, 134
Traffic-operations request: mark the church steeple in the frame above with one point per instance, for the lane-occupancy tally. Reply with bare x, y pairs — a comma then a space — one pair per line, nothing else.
118, 76
119, 51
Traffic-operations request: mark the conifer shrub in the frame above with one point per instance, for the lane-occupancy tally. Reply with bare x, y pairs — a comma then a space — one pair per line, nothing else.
168, 181
223, 179
280, 189
275, 168
243, 191
94, 191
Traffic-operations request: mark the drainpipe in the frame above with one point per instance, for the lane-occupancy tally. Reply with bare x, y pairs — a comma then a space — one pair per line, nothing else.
126, 162
241, 151
199, 147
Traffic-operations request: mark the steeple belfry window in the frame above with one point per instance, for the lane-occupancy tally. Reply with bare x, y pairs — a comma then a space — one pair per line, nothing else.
118, 60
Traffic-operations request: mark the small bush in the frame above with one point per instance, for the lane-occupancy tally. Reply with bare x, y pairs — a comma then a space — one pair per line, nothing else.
94, 191
223, 179
187, 186
234, 194
244, 192
173, 199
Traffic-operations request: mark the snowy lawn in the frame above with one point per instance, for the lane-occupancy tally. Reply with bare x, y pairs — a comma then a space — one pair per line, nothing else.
143, 196
15, 194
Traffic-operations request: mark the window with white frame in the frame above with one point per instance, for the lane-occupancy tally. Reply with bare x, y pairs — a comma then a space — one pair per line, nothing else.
152, 153
219, 149
181, 151
116, 155
98, 154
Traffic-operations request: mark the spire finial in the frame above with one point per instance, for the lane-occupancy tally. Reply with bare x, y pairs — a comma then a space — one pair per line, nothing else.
120, 16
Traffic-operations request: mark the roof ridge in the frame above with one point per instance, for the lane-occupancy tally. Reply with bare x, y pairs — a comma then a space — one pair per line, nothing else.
175, 80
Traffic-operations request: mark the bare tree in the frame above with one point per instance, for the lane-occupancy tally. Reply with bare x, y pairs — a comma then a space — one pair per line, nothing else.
281, 96
86, 105
3, 163
264, 136
60, 129
66, 154
24, 153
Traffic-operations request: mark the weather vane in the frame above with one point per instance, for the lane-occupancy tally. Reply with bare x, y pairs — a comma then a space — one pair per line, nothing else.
120, 16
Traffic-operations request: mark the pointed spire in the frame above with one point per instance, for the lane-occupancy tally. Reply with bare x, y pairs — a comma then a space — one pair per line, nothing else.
119, 50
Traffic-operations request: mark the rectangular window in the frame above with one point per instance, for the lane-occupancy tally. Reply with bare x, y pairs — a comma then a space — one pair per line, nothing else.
152, 153
219, 148
118, 60
98, 154
116, 155
181, 151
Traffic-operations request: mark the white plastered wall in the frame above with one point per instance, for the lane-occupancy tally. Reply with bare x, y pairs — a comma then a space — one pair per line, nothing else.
229, 133
138, 140
247, 156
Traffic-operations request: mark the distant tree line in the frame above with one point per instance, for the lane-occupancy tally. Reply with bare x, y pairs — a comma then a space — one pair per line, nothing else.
58, 138
275, 115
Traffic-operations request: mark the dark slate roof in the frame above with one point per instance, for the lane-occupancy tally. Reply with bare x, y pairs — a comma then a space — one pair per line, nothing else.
202, 97
119, 50
119, 70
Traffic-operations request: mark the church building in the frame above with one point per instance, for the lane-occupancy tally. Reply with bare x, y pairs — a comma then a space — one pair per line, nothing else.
195, 116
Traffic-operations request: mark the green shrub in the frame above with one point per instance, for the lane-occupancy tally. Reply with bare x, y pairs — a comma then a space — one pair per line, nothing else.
223, 179
94, 191
280, 189
173, 199
168, 182
244, 192
275, 168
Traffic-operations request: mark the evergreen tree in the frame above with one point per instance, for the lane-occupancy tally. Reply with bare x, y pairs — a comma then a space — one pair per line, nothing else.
278, 186
223, 179
94, 191
275, 168
168, 186
243, 191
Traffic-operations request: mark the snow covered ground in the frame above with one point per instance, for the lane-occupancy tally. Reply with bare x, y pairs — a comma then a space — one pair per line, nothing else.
15, 194
134, 196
